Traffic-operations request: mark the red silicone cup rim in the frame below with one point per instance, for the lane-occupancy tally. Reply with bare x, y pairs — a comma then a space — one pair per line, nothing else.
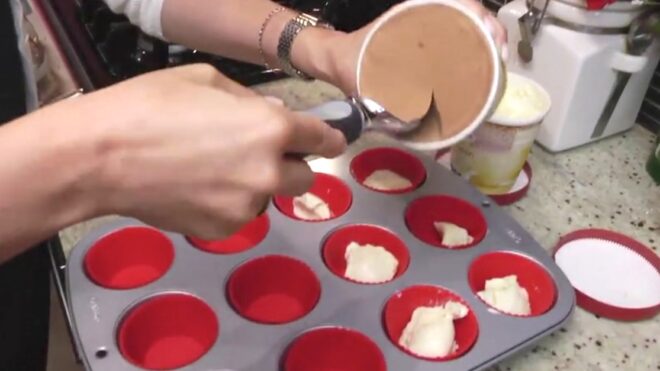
511, 197
424, 211
388, 158
273, 289
330, 189
531, 276
334, 248
337, 347
149, 323
441, 153
507, 198
602, 309
128, 258
249, 236
400, 306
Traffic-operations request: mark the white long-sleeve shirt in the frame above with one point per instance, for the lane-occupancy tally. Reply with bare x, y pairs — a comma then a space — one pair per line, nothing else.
142, 13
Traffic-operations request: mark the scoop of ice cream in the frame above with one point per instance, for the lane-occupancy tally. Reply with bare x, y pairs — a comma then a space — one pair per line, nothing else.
522, 100
310, 207
430, 331
369, 263
453, 235
386, 180
506, 295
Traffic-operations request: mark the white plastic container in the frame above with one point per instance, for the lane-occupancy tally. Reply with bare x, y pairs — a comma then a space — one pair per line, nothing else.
578, 61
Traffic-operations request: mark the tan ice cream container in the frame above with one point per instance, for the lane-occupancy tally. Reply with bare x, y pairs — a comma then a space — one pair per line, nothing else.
493, 156
436, 60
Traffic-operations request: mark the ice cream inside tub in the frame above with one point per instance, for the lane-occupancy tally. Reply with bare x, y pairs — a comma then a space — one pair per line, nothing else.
521, 101
428, 59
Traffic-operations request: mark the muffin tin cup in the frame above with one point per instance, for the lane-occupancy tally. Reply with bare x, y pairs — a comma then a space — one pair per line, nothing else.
531, 276
334, 247
247, 344
129, 258
168, 331
328, 188
246, 238
273, 289
395, 160
424, 211
400, 307
333, 348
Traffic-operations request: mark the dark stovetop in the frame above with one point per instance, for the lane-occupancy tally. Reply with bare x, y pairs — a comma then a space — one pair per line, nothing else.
110, 49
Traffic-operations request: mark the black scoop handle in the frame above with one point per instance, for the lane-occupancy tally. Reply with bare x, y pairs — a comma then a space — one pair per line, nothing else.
343, 115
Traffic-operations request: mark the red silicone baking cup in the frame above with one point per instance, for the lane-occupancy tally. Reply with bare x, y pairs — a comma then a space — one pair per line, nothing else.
246, 238
330, 189
334, 247
167, 332
531, 276
128, 258
400, 307
387, 158
336, 349
423, 212
273, 289
591, 304
443, 157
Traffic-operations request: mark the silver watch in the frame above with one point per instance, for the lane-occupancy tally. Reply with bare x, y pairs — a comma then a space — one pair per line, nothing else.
287, 37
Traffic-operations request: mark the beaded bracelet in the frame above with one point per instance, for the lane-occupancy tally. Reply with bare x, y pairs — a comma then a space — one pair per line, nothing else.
261, 33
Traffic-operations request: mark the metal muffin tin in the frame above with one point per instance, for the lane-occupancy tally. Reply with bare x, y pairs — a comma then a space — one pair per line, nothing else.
247, 346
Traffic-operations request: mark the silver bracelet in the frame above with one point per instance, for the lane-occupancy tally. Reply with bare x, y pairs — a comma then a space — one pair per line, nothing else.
269, 17
288, 36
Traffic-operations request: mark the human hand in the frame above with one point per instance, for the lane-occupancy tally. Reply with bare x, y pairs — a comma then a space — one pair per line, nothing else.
188, 150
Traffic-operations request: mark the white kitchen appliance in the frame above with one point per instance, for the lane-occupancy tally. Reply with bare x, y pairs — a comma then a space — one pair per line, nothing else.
581, 58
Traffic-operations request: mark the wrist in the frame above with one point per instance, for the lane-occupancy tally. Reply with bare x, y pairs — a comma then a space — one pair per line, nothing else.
66, 161
110, 170
313, 53
97, 147
83, 150
312, 50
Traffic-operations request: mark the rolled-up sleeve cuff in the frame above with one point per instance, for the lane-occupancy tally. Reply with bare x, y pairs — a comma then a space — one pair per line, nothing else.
145, 14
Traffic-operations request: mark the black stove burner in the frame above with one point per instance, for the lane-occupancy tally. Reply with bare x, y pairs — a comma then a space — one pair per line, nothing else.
126, 51
109, 48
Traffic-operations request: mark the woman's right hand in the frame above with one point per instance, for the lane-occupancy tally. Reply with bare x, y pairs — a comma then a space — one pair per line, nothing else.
188, 150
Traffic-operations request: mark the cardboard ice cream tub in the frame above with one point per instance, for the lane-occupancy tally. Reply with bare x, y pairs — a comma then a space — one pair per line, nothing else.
435, 60
493, 156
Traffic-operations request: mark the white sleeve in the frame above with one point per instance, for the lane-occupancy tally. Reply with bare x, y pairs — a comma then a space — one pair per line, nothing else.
142, 13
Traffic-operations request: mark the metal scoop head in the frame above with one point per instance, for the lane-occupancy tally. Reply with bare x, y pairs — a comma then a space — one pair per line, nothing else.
382, 120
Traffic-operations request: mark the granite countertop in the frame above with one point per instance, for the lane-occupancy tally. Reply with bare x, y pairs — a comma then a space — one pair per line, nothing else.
601, 185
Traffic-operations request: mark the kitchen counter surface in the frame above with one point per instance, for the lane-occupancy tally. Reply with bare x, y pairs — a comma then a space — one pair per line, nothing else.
602, 185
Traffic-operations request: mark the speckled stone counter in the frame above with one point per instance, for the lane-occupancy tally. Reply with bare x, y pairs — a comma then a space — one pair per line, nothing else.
601, 185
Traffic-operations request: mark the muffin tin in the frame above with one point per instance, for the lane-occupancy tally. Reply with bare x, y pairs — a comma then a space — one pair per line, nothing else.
272, 297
